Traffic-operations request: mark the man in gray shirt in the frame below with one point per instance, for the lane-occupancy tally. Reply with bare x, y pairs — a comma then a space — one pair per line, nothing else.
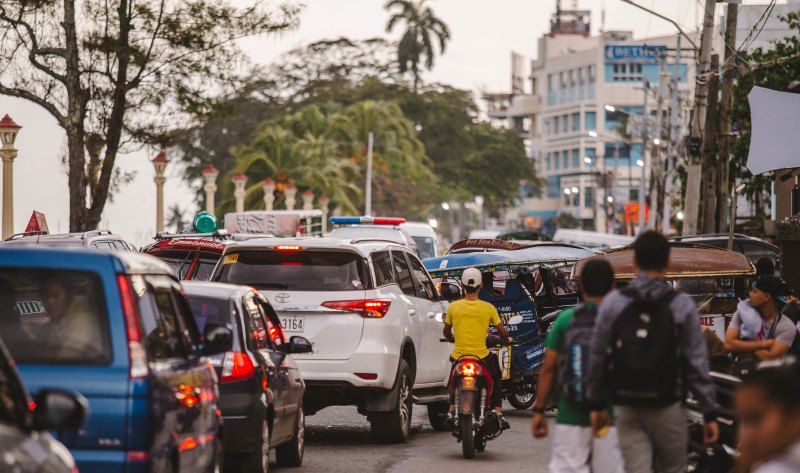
652, 432
774, 333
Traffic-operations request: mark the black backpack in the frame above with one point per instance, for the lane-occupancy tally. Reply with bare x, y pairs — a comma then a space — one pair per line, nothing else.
643, 364
574, 355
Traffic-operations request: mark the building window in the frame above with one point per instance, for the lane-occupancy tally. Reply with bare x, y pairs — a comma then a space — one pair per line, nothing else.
565, 158
547, 161
576, 121
588, 197
553, 187
627, 72
590, 153
592, 73
556, 128
591, 121
556, 161
576, 158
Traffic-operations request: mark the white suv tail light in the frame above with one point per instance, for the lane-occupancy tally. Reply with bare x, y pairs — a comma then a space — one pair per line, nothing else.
368, 308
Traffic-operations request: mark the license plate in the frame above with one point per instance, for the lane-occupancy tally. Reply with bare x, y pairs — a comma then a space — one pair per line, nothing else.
468, 383
293, 324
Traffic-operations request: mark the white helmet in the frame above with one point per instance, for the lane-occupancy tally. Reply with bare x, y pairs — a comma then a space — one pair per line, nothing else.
471, 278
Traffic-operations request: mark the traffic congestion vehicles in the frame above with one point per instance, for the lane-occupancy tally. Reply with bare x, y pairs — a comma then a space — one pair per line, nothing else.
25, 442
374, 228
717, 279
527, 280
260, 386
116, 328
372, 314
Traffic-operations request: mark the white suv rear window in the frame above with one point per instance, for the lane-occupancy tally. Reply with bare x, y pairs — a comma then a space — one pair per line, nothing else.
302, 270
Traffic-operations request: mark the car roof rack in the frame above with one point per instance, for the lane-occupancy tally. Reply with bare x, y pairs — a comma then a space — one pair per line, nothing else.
92, 233
375, 239
17, 236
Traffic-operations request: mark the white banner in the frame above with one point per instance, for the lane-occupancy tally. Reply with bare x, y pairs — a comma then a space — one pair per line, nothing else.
775, 123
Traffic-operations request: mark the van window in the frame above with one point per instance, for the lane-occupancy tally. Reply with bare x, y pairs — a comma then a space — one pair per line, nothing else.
294, 270
205, 266
54, 316
423, 282
382, 263
426, 247
179, 261
402, 273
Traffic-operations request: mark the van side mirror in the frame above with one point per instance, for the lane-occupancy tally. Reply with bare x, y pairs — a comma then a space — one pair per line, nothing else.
218, 339
299, 344
449, 291
58, 409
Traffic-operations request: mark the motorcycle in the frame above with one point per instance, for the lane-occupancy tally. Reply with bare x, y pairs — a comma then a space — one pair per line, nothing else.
471, 386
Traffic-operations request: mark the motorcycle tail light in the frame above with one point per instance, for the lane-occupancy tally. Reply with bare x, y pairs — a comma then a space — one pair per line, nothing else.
469, 368
468, 382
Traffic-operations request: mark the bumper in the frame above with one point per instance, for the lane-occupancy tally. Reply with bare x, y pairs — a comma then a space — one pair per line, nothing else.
318, 373
242, 433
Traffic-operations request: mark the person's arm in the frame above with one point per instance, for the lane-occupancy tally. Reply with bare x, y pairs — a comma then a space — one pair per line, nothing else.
776, 351
501, 329
734, 345
601, 344
447, 331
697, 373
543, 390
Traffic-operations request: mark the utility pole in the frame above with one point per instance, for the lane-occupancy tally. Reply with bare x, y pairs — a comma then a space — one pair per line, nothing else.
368, 193
643, 178
674, 136
710, 161
695, 166
726, 110
656, 166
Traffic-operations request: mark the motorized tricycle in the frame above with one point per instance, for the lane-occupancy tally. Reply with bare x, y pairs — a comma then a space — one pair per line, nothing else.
529, 280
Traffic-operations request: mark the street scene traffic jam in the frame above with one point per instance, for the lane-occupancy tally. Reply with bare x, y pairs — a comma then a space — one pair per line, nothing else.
352, 236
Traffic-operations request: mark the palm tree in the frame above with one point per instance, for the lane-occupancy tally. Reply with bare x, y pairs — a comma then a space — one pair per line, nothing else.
177, 218
422, 29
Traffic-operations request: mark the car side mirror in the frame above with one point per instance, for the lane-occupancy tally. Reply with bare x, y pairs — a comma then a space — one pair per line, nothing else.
59, 410
218, 339
449, 291
299, 344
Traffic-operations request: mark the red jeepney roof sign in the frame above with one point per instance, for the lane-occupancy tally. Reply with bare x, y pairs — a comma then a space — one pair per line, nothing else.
37, 223
487, 244
191, 243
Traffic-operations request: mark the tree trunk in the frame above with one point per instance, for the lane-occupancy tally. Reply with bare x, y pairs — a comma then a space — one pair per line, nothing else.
115, 120
710, 162
76, 112
725, 118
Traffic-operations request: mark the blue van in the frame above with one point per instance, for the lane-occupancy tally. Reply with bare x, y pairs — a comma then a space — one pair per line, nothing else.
116, 328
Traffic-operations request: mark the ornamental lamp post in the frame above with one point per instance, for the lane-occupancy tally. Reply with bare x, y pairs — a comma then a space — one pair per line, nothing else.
324, 202
290, 191
210, 174
308, 200
8, 134
239, 181
269, 194
160, 164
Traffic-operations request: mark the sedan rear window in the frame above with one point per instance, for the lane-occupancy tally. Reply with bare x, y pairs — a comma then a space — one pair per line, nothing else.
50, 316
294, 270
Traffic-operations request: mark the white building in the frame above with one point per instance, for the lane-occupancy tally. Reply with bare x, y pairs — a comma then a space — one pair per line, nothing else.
574, 140
773, 29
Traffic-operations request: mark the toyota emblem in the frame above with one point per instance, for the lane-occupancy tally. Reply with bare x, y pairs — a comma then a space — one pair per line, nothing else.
283, 298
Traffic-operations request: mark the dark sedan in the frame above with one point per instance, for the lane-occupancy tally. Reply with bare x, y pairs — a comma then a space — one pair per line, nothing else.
261, 390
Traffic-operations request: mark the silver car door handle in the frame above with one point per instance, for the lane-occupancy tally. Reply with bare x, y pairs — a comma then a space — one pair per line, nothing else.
412, 312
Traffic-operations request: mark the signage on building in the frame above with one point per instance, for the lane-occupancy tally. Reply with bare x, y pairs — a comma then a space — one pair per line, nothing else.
633, 52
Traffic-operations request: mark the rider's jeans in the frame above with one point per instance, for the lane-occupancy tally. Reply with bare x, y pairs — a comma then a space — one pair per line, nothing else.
493, 364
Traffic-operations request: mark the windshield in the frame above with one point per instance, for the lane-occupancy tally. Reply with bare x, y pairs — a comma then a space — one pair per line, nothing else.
54, 316
210, 310
179, 261
294, 270
426, 247
205, 267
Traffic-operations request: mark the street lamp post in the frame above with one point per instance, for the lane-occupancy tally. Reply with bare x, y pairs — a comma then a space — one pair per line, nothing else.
239, 182
210, 174
8, 134
290, 192
160, 165
308, 200
324, 202
269, 194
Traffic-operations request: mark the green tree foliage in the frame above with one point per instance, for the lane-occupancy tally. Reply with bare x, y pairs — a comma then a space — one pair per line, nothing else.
567, 220
442, 118
775, 69
326, 153
115, 73
423, 30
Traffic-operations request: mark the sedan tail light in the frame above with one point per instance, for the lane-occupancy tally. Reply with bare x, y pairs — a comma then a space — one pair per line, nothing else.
369, 308
236, 366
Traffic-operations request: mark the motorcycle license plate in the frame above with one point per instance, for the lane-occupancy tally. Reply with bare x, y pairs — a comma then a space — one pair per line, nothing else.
468, 382
293, 323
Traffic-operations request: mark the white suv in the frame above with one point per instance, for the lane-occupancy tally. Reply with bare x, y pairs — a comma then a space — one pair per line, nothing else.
373, 315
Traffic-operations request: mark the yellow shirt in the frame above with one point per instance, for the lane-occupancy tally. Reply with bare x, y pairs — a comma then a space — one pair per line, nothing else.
471, 321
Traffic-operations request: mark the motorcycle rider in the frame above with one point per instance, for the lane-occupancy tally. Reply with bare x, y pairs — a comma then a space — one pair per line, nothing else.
467, 324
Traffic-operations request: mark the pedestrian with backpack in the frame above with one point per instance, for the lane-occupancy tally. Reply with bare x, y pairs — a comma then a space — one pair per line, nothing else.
647, 351
574, 448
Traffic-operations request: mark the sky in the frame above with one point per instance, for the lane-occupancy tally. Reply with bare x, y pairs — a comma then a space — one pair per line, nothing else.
483, 35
